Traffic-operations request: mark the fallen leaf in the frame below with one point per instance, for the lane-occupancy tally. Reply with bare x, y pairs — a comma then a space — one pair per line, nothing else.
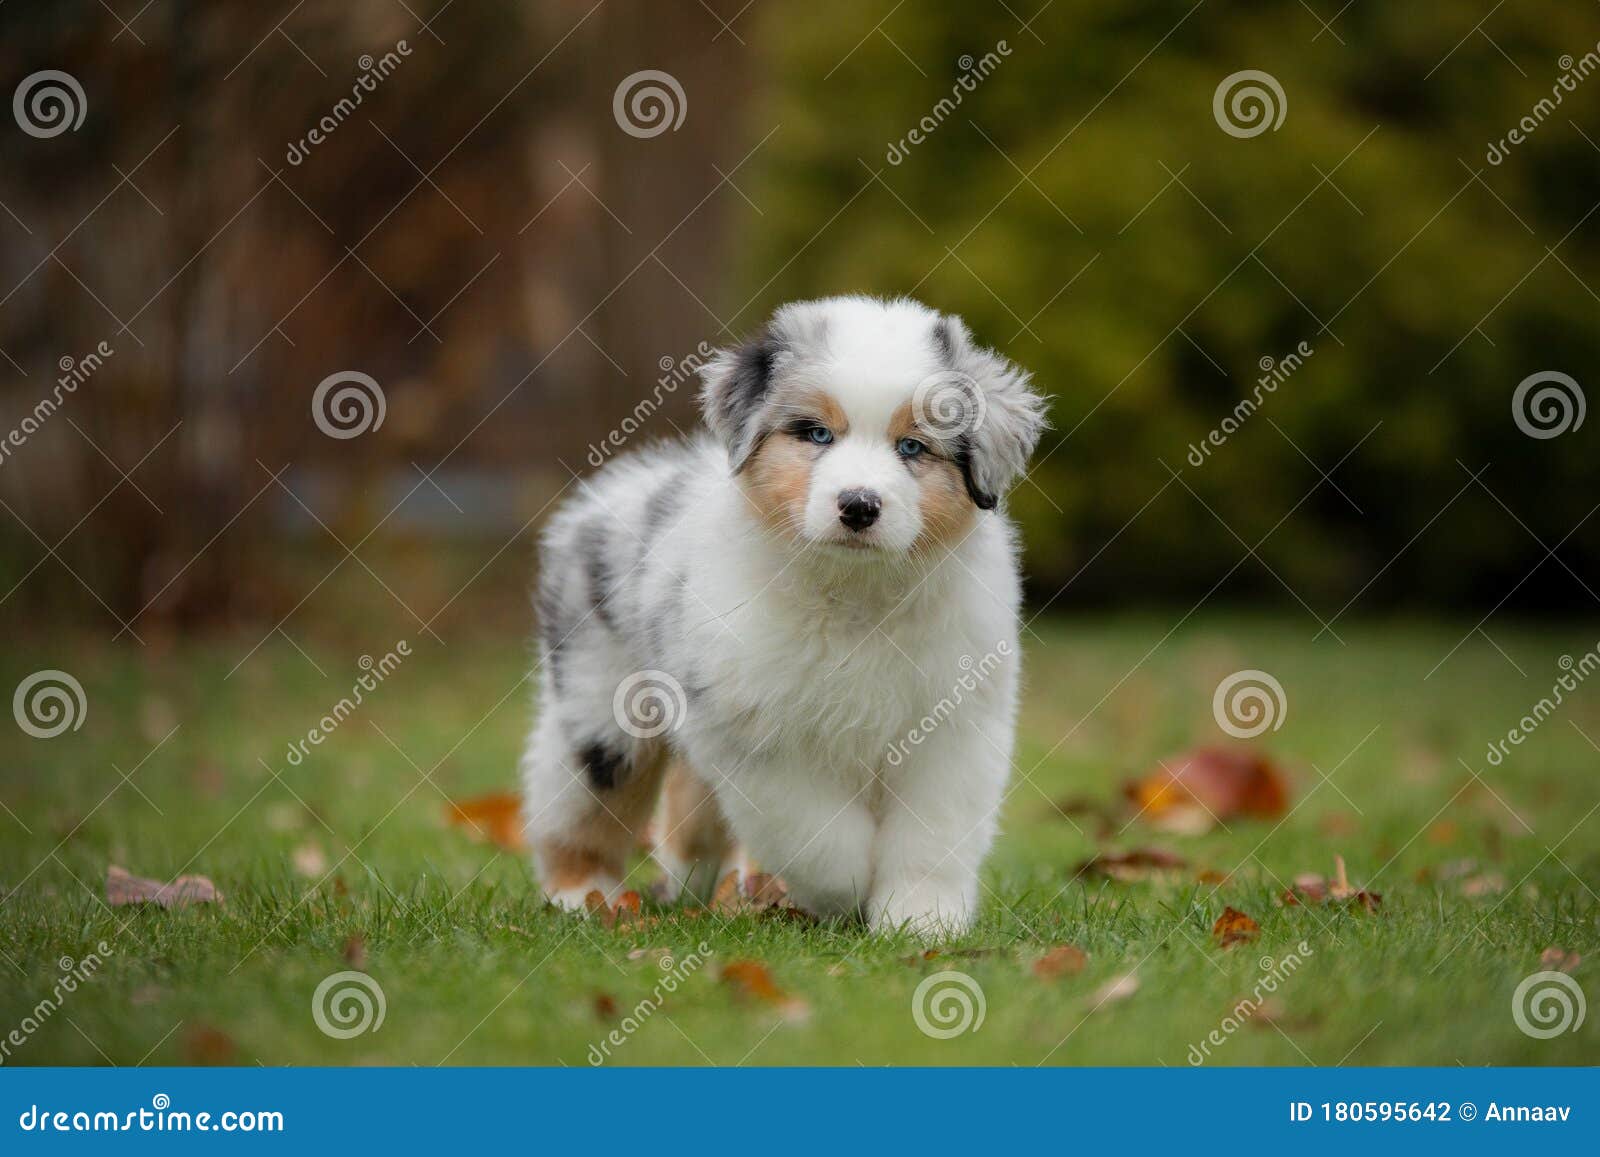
309, 860
1234, 927
1559, 960
125, 888
204, 1045
355, 952
759, 892
753, 979
495, 817
624, 913
1138, 864
1115, 989
1487, 884
1211, 876
1192, 792
1062, 960
1310, 888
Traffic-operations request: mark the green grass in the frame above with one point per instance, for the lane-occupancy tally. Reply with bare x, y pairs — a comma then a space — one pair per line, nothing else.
475, 970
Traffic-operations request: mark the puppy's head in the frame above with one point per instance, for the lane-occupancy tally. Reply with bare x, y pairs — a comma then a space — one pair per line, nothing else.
859, 424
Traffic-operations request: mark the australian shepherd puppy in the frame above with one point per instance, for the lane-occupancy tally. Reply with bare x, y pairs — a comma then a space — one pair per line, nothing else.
805, 626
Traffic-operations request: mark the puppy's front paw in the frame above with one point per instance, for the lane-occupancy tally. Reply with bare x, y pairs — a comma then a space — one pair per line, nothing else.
927, 910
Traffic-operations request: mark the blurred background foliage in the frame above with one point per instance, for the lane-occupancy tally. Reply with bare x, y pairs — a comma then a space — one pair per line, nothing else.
481, 238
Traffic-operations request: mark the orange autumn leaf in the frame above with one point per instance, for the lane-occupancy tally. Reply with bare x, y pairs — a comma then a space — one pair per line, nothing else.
751, 978
495, 817
1192, 792
1234, 927
1062, 960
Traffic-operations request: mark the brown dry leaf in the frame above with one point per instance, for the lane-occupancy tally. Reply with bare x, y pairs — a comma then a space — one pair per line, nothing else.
496, 817
1234, 927
625, 913
1062, 960
761, 893
1138, 864
1211, 876
726, 898
752, 980
1115, 989
1559, 959
204, 1045
1310, 888
124, 888
1192, 792
355, 952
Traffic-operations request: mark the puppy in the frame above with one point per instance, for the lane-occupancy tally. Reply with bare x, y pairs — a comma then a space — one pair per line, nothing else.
805, 625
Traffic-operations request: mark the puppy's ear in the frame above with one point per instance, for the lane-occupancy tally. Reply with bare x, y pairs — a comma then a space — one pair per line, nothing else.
1002, 416
733, 396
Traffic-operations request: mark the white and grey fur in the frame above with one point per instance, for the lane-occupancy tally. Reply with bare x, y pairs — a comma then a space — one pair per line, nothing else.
805, 650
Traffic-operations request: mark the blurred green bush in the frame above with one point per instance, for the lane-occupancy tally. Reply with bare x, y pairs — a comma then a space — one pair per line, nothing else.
1082, 208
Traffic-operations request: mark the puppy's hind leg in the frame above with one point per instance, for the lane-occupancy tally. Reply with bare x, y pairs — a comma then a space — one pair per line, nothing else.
693, 843
586, 803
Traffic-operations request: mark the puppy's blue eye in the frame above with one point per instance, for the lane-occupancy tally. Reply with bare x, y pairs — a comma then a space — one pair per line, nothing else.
909, 447
821, 435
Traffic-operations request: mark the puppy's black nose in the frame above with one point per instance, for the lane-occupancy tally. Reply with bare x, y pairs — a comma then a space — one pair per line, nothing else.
858, 509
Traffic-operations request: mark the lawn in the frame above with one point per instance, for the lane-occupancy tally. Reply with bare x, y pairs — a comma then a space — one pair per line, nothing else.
345, 859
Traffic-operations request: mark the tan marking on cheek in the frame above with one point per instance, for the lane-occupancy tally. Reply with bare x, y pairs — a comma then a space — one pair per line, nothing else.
947, 511
777, 480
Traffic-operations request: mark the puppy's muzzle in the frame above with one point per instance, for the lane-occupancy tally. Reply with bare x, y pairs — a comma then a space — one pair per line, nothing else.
859, 509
